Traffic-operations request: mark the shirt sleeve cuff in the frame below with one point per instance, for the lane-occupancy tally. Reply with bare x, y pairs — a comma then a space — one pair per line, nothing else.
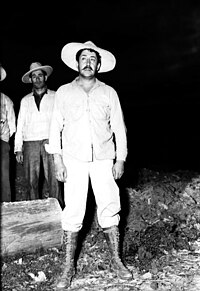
52, 150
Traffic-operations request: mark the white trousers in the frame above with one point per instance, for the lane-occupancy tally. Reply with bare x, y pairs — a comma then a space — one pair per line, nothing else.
105, 189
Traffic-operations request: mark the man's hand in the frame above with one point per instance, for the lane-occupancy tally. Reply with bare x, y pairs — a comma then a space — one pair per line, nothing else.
19, 157
118, 169
60, 169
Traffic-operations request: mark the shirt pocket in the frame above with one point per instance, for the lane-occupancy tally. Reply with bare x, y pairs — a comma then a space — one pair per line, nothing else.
101, 110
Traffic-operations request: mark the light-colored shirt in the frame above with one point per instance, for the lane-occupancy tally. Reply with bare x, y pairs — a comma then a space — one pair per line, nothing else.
8, 120
33, 124
88, 123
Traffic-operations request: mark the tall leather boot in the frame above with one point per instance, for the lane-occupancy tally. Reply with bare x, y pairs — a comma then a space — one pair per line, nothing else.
116, 265
68, 268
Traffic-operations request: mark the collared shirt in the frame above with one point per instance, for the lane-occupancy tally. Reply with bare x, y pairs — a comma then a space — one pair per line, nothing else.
89, 123
33, 124
8, 120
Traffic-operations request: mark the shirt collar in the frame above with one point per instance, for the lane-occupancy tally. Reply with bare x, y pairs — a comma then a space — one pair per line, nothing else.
35, 94
98, 83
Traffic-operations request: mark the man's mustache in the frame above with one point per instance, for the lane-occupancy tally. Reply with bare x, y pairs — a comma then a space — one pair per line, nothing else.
87, 67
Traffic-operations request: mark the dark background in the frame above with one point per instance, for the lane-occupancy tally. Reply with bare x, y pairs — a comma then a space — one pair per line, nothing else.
157, 48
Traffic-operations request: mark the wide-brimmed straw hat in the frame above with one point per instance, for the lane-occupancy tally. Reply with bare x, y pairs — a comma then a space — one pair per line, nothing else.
69, 51
34, 67
2, 73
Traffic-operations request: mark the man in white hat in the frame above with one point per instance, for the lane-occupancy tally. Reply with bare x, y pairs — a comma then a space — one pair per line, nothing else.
33, 133
88, 114
8, 128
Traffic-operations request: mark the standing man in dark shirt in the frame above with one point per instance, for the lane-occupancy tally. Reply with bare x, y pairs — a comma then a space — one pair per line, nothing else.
32, 133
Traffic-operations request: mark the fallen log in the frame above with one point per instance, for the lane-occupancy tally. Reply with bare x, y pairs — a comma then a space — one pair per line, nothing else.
27, 226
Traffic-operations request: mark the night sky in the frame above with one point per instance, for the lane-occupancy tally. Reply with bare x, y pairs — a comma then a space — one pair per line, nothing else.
157, 48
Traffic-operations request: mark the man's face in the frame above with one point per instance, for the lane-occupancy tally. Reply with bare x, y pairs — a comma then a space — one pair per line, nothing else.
38, 79
87, 64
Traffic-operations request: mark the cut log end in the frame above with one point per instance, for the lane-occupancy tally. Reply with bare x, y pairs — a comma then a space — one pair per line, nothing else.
27, 226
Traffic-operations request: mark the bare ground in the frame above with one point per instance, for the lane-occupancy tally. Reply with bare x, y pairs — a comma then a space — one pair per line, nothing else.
161, 238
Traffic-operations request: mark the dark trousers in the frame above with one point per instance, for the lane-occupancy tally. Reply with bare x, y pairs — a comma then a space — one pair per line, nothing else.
5, 172
35, 153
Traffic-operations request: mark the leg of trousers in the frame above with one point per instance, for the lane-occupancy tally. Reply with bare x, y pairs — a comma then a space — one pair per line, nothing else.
34, 152
49, 172
32, 167
76, 188
75, 194
106, 193
5, 172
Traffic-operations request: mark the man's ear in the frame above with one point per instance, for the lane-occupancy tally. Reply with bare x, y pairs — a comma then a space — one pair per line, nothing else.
30, 80
77, 64
46, 78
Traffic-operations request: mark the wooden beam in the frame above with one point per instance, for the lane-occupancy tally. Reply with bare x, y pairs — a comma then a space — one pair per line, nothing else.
27, 226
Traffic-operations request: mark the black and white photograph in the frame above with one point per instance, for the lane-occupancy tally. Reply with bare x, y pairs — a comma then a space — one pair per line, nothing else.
100, 146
